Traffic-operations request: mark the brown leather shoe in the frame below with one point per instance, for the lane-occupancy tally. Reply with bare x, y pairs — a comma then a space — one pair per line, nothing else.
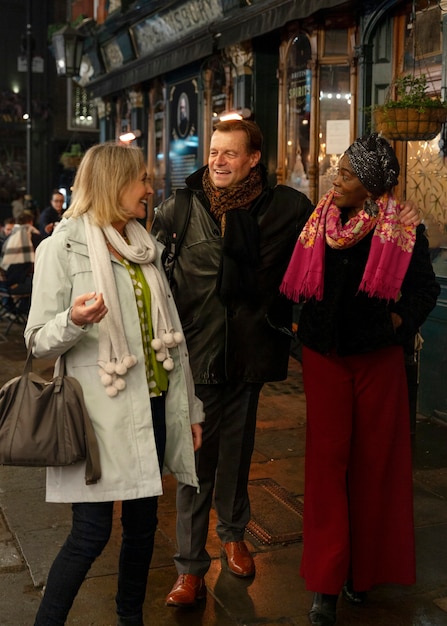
239, 560
188, 590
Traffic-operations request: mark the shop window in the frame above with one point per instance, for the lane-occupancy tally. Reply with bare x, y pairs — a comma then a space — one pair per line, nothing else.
423, 36
316, 137
426, 174
426, 185
334, 131
335, 42
299, 80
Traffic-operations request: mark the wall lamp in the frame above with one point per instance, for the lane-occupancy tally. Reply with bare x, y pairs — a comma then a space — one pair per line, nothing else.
130, 136
236, 114
68, 46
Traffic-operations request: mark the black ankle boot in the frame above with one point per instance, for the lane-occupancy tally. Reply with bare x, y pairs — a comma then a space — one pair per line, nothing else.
323, 609
351, 596
129, 621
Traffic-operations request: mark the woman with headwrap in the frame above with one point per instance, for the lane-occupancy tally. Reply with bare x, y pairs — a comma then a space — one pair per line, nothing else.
367, 284
100, 297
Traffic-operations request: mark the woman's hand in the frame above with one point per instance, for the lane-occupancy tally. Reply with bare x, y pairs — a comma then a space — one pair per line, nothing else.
397, 320
83, 313
410, 214
196, 430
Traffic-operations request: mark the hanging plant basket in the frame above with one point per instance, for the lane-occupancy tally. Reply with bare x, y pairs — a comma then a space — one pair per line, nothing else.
71, 159
409, 124
412, 114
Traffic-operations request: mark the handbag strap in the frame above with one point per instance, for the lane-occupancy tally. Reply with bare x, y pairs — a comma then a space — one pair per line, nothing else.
182, 212
59, 366
28, 367
92, 460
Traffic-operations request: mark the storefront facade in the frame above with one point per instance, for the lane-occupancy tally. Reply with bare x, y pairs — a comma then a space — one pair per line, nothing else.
175, 70
307, 74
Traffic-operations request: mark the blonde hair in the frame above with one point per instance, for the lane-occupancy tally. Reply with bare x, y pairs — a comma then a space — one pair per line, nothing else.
104, 173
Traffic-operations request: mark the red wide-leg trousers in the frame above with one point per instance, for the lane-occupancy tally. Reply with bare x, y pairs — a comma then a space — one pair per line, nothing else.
358, 499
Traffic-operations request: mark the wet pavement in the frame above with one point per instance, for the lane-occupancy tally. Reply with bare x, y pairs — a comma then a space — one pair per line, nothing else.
32, 531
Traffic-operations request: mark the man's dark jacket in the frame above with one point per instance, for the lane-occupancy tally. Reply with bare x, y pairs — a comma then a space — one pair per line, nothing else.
48, 216
240, 342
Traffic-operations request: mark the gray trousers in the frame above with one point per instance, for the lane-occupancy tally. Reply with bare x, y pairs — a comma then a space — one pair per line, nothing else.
223, 466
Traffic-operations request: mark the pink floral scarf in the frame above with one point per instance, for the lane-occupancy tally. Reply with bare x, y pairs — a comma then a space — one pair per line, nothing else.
390, 253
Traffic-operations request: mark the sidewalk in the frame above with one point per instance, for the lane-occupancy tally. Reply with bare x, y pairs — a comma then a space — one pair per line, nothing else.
32, 531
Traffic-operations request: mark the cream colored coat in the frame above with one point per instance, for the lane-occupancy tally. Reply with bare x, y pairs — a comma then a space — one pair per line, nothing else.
123, 424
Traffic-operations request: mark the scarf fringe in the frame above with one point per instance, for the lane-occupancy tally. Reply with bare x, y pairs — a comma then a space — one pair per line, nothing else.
380, 287
301, 293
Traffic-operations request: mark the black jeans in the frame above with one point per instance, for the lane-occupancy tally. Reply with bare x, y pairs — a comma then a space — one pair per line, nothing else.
90, 532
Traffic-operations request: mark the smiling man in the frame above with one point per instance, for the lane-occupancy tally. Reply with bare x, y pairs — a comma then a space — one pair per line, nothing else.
236, 247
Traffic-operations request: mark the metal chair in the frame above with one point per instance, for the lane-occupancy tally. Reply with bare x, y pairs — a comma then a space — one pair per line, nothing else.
13, 307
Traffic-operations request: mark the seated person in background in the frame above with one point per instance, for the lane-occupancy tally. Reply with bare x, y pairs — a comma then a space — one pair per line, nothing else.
18, 258
18, 206
52, 214
6, 229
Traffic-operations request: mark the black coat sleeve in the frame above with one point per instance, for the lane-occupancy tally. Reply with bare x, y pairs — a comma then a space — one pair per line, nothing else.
419, 291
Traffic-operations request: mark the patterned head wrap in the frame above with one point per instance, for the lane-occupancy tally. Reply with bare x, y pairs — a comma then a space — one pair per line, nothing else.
374, 163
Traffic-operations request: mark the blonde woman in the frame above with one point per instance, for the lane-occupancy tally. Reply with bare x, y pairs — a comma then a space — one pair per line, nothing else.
101, 298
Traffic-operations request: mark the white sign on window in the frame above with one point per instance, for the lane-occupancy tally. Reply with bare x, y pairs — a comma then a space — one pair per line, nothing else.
337, 136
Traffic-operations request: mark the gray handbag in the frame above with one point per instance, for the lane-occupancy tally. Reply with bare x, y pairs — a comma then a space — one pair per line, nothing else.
45, 423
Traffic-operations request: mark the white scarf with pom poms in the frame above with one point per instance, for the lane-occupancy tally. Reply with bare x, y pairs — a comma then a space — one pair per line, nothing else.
114, 357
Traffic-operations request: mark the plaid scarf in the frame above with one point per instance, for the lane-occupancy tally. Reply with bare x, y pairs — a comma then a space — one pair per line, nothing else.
18, 247
389, 256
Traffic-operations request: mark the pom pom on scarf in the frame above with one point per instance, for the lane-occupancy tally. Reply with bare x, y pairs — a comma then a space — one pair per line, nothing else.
178, 337
130, 360
156, 344
106, 379
111, 391
168, 364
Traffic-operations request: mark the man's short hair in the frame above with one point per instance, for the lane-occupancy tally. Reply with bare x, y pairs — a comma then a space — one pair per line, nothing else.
25, 218
251, 130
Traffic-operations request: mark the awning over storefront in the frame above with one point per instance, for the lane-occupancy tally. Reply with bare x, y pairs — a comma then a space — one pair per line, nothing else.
264, 17
261, 17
